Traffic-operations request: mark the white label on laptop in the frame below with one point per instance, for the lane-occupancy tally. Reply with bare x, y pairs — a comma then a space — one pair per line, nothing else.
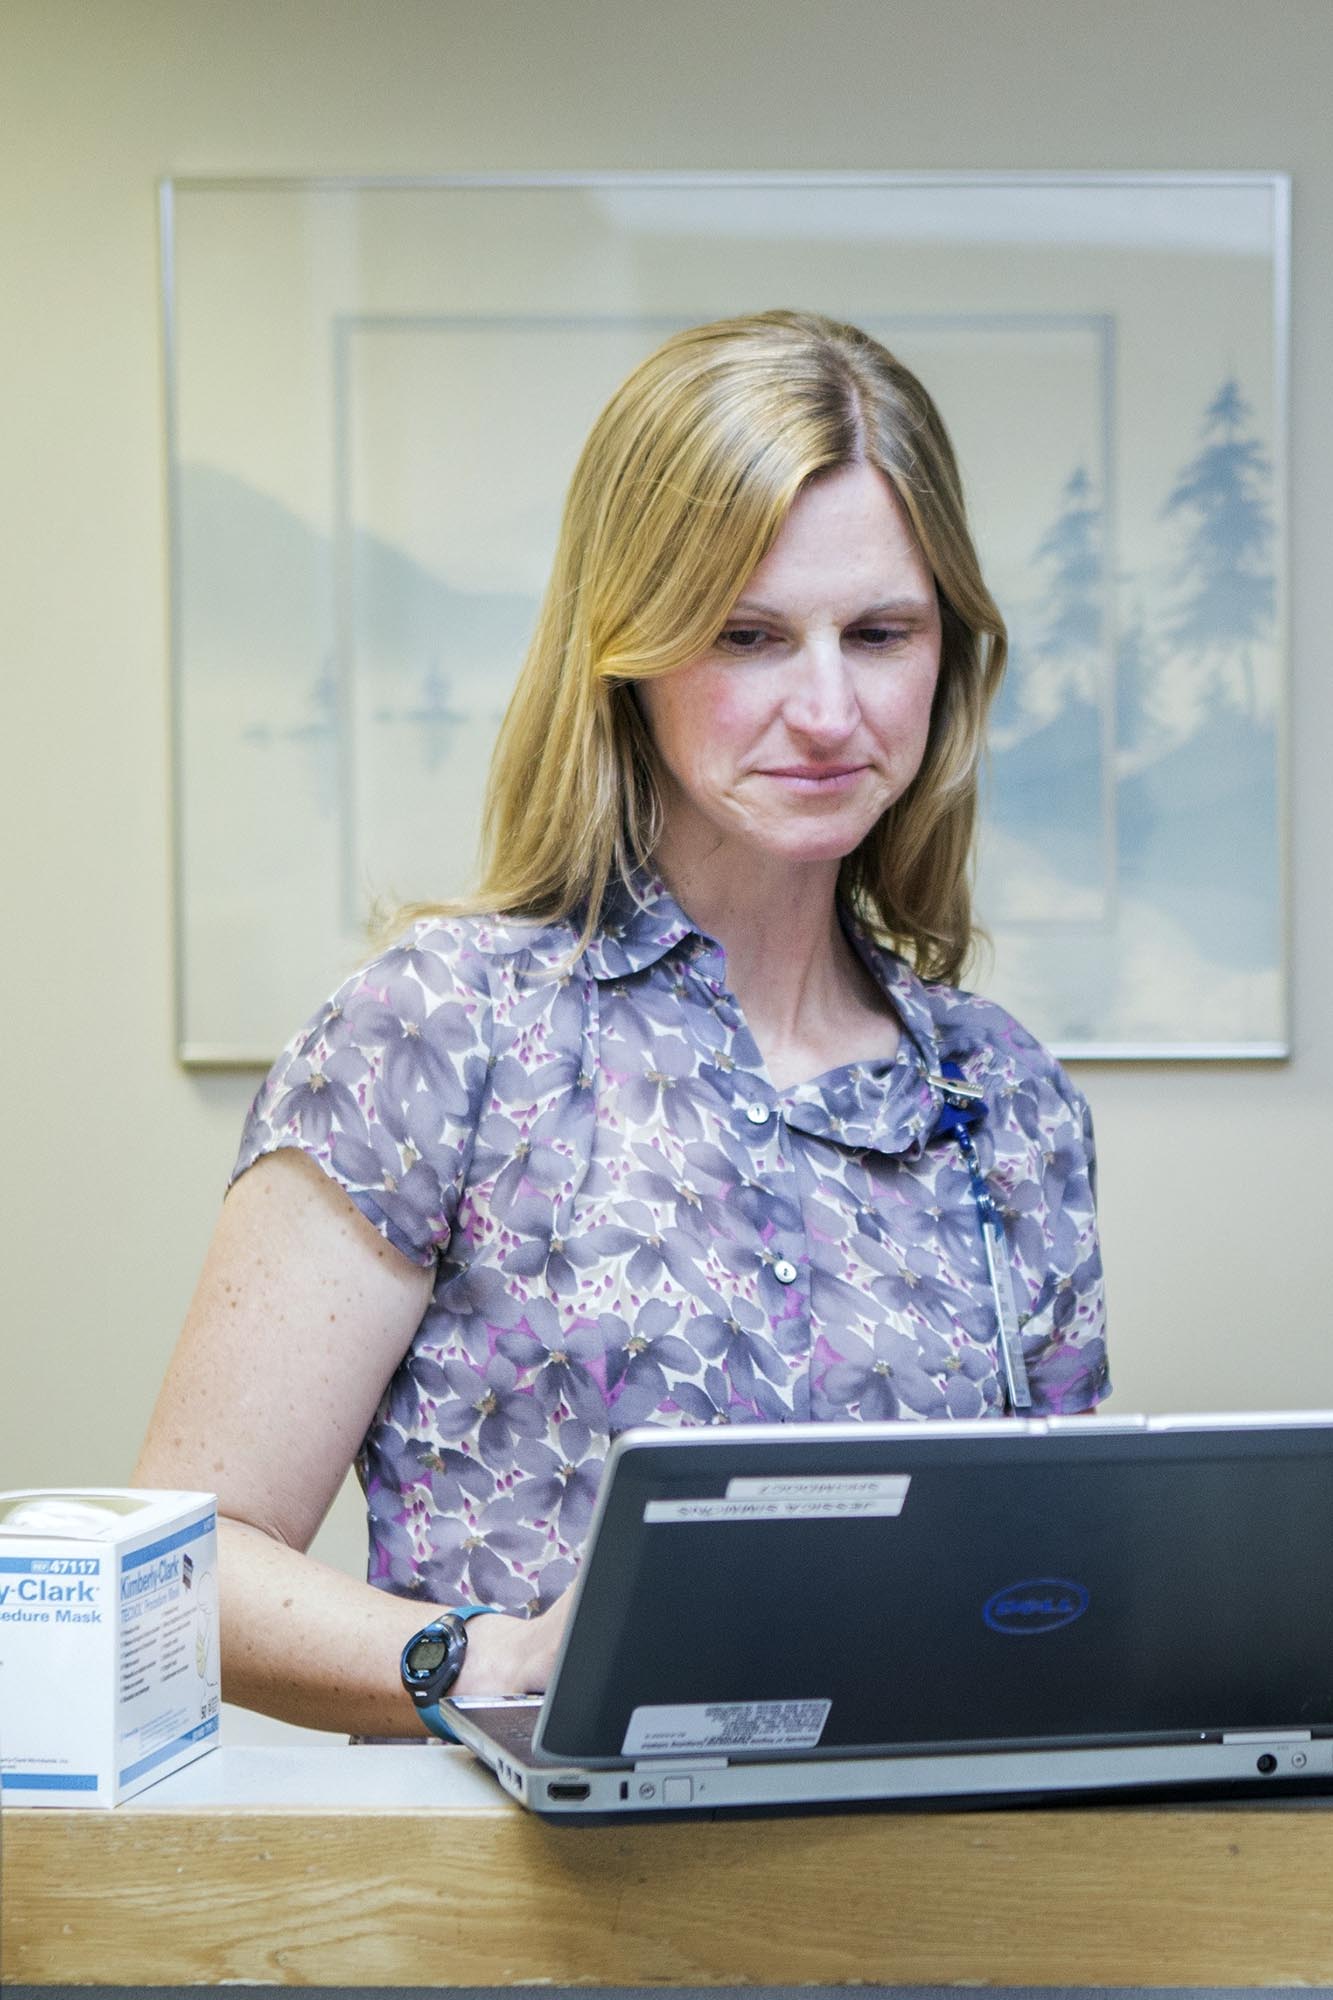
725, 1725
844, 1496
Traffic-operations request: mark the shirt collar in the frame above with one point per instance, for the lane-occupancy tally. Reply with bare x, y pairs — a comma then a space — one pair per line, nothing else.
890, 1108
909, 995
643, 922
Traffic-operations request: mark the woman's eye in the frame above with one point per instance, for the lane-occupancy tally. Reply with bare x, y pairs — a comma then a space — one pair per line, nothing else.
743, 638
879, 637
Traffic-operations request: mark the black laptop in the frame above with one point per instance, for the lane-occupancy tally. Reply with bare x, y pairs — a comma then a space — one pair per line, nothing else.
793, 1615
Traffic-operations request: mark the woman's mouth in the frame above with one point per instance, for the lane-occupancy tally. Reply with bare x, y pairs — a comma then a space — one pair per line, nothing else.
816, 778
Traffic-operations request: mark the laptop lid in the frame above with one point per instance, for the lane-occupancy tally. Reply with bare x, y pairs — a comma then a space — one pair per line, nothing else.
825, 1591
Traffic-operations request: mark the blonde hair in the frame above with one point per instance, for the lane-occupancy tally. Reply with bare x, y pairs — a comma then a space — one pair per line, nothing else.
680, 491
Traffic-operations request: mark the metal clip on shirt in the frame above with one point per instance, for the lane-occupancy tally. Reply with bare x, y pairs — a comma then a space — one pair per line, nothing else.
964, 1105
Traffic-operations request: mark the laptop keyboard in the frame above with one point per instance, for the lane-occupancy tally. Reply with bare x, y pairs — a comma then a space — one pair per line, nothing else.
510, 1725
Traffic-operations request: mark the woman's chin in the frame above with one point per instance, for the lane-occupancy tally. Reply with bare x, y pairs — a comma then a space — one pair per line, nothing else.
828, 848
827, 837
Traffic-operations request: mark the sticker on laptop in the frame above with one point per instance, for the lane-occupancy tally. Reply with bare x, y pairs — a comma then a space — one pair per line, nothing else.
841, 1496
725, 1725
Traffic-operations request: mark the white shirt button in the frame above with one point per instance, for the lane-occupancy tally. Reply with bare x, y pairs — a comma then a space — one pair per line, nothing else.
756, 1112
785, 1273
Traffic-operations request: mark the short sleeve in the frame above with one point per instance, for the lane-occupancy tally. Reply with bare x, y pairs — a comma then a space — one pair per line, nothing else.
1064, 1341
383, 1087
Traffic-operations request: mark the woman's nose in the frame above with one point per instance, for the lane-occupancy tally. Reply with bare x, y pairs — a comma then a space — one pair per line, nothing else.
822, 702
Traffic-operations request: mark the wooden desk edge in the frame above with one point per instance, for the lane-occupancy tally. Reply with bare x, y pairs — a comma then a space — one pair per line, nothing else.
490, 1896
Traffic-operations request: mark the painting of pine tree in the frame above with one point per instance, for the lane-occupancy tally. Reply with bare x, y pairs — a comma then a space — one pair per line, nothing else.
1049, 769
1197, 756
1130, 856
1226, 582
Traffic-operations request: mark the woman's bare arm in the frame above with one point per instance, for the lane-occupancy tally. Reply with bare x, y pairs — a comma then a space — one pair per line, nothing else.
301, 1315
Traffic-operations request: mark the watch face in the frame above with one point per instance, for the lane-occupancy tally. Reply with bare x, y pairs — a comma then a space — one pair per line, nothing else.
427, 1652
432, 1662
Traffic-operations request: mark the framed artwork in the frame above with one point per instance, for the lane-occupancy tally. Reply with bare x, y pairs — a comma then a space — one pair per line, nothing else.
376, 394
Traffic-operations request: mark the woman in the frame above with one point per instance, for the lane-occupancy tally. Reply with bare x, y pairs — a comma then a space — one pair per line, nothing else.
692, 1130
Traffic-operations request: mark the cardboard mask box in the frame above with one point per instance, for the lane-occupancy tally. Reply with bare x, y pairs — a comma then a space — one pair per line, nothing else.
109, 1664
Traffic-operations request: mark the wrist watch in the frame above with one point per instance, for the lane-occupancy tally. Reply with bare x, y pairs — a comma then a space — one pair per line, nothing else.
432, 1661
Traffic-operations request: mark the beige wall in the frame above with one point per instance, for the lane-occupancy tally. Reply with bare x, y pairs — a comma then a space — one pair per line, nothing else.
113, 1159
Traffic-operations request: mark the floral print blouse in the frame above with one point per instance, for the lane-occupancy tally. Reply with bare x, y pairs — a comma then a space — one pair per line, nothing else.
629, 1224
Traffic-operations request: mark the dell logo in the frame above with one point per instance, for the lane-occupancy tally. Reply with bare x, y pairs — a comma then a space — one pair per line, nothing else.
1043, 1604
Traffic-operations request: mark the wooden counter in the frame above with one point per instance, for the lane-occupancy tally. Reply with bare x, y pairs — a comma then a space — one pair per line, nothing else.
406, 1866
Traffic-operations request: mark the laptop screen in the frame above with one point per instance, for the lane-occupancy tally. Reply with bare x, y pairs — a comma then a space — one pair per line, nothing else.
817, 1590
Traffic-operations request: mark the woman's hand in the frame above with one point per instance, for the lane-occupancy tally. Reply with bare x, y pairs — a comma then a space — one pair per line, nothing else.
513, 1655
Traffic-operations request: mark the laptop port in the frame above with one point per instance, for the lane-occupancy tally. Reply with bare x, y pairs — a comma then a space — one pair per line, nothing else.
570, 1788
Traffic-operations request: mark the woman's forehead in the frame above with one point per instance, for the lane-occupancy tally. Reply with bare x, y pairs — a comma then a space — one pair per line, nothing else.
848, 529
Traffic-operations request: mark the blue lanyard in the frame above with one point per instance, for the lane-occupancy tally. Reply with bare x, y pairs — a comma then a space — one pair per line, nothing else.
963, 1106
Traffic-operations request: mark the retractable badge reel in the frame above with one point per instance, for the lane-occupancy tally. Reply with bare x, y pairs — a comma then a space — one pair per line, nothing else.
964, 1106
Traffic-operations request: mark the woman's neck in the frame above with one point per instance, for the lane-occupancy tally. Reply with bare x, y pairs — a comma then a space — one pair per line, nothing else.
807, 998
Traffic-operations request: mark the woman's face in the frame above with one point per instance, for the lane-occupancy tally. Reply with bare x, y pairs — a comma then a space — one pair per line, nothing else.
808, 717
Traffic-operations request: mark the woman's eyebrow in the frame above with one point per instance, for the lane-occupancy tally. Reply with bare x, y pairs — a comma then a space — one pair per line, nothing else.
892, 607
899, 607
